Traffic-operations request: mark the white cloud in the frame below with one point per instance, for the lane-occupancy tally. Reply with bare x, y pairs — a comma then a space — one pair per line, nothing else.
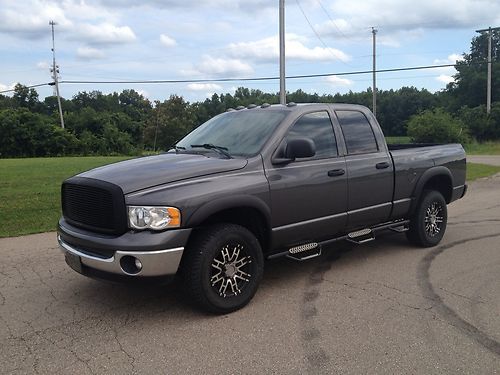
106, 33
267, 50
245, 5
83, 10
204, 86
89, 53
338, 81
211, 66
398, 21
448, 72
451, 59
167, 41
31, 19
428, 14
4, 87
144, 93
445, 78
43, 65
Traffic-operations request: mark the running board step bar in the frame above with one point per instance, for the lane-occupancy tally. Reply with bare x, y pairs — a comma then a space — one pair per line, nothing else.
313, 249
361, 236
401, 229
304, 252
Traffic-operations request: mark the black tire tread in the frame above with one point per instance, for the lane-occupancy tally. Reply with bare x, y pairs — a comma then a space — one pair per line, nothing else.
193, 263
416, 233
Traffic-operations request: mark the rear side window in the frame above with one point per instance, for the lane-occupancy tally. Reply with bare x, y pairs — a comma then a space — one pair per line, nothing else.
358, 133
318, 127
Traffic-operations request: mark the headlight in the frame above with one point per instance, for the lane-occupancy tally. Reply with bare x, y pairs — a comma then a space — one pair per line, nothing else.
155, 218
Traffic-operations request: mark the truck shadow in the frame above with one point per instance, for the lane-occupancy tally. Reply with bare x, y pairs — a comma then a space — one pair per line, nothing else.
278, 275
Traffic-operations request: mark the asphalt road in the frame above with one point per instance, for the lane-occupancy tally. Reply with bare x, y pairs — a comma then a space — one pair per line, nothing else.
384, 307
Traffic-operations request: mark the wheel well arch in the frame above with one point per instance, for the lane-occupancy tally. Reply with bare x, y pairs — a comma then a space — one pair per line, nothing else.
248, 217
248, 211
441, 183
438, 179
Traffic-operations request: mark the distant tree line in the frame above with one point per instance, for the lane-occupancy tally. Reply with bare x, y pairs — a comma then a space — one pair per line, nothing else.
127, 123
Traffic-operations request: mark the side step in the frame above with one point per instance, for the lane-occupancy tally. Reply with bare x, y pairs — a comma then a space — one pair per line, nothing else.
361, 236
401, 229
304, 252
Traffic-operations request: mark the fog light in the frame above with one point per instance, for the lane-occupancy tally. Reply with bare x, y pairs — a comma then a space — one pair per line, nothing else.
130, 265
138, 264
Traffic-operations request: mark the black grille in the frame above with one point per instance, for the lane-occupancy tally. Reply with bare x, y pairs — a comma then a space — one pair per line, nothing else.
94, 205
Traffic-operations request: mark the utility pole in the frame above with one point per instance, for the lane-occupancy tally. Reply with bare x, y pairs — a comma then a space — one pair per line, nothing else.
282, 52
488, 84
374, 86
55, 72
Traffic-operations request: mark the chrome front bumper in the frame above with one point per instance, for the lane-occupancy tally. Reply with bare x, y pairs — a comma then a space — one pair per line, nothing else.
153, 263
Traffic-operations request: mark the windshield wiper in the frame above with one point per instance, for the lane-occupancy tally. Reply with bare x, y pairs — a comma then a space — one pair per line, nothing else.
177, 148
220, 149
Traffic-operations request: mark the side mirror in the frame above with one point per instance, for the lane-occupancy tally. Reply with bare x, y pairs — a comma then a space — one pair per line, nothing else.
300, 147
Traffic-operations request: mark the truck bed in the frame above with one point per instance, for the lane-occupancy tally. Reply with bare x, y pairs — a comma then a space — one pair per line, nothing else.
404, 146
414, 159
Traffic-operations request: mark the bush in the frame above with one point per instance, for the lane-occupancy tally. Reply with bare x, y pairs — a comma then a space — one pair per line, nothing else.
436, 126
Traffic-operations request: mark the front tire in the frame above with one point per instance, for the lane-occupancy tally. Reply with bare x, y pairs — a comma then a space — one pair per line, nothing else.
428, 224
223, 268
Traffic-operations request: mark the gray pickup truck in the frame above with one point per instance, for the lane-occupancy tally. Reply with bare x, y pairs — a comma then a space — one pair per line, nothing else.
251, 184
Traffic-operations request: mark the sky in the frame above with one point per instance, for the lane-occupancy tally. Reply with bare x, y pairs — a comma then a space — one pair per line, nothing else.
121, 40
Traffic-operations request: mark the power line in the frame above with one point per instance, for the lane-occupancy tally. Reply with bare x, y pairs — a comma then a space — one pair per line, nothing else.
270, 78
317, 34
261, 78
29, 87
331, 19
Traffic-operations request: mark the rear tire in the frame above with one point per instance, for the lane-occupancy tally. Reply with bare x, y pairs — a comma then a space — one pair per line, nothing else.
428, 224
223, 268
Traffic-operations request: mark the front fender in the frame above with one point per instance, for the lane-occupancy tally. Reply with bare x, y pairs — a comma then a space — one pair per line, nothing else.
224, 203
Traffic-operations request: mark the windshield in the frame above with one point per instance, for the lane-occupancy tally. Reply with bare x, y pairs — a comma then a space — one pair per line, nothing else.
241, 133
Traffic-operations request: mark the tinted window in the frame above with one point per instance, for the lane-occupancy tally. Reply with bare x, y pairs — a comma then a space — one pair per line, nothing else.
318, 127
358, 133
241, 132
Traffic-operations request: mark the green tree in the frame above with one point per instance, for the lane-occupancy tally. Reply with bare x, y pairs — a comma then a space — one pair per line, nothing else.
169, 122
436, 126
28, 134
469, 87
25, 97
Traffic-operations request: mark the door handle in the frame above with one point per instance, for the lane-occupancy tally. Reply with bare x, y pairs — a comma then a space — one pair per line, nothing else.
382, 165
336, 172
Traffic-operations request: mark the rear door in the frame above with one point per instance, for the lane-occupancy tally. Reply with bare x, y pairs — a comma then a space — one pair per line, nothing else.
309, 195
369, 168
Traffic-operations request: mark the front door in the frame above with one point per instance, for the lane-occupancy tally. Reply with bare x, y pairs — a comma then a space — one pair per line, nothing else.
309, 195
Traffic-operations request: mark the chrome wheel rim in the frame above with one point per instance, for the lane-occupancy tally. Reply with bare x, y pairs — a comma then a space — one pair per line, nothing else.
434, 219
230, 270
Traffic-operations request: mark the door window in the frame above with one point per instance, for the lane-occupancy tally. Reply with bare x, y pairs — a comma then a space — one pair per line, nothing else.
358, 133
318, 127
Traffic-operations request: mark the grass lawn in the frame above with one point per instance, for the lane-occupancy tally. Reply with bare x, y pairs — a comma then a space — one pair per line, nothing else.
30, 191
393, 140
486, 148
475, 171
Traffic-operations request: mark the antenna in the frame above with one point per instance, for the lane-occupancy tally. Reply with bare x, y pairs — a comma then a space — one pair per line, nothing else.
55, 71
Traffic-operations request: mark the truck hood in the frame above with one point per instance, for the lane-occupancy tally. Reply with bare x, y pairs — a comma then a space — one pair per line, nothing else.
141, 173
